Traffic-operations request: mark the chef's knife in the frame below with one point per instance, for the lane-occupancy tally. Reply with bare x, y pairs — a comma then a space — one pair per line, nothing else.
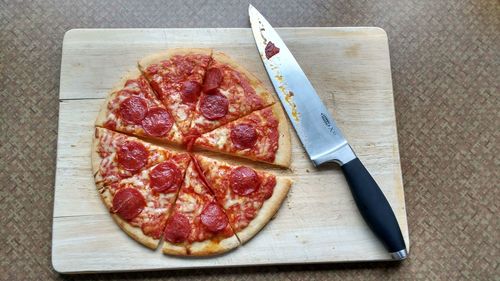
320, 136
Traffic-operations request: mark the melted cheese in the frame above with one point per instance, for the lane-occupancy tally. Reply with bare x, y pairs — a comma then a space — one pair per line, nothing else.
223, 136
230, 202
136, 182
181, 114
187, 203
198, 188
187, 178
165, 199
199, 120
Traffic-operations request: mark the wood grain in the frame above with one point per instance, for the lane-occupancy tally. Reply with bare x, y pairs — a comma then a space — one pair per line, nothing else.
350, 69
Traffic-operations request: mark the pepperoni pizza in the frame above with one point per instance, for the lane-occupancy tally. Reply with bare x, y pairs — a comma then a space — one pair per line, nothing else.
177, 77
260, 135
183, 99
229, 92
138, 182
197, 225
249, 197
132, 107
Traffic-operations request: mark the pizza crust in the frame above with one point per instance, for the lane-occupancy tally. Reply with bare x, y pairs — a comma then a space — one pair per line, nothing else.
165, 55
136, 233
133, 231
102, 117
284, 152
173, 249
256, 84
95, 158
130, 74
204, 248
268, 210
103, 112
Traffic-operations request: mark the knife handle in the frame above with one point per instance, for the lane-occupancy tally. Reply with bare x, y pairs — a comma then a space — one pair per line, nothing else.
374, 208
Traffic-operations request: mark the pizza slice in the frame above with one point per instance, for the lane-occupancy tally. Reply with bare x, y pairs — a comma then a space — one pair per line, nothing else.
197, 225
262, 135
229, 92
140, 204
176, 76
249, 197
132, 107
117, 156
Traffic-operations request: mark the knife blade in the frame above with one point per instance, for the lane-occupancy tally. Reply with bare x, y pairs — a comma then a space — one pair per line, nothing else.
319, 134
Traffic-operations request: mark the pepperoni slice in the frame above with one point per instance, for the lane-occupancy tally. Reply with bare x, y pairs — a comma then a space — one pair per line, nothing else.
190, 91
177, 228
243, 136
128, 203
133, 110
157, 122
132, 156
213, 79
244, 181
214, 107
213, 218
165, 177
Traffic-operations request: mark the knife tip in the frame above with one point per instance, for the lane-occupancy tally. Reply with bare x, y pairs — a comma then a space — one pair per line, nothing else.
251, 9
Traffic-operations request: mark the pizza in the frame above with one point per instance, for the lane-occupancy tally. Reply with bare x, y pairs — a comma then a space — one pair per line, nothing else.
117, 156
198, 225
132, 107
229, 92
249, 197
149, 158
177, 77
204, 89
138, 182
261, 135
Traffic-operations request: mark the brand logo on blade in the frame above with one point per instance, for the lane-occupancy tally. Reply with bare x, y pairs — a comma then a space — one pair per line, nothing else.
329, 125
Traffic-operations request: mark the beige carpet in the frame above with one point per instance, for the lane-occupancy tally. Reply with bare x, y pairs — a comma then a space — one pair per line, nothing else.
446, 72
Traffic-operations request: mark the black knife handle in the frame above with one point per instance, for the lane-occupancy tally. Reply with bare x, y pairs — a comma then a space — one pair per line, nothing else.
374, 208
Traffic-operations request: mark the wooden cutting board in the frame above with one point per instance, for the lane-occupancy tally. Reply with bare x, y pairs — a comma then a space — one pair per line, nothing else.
318, 222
